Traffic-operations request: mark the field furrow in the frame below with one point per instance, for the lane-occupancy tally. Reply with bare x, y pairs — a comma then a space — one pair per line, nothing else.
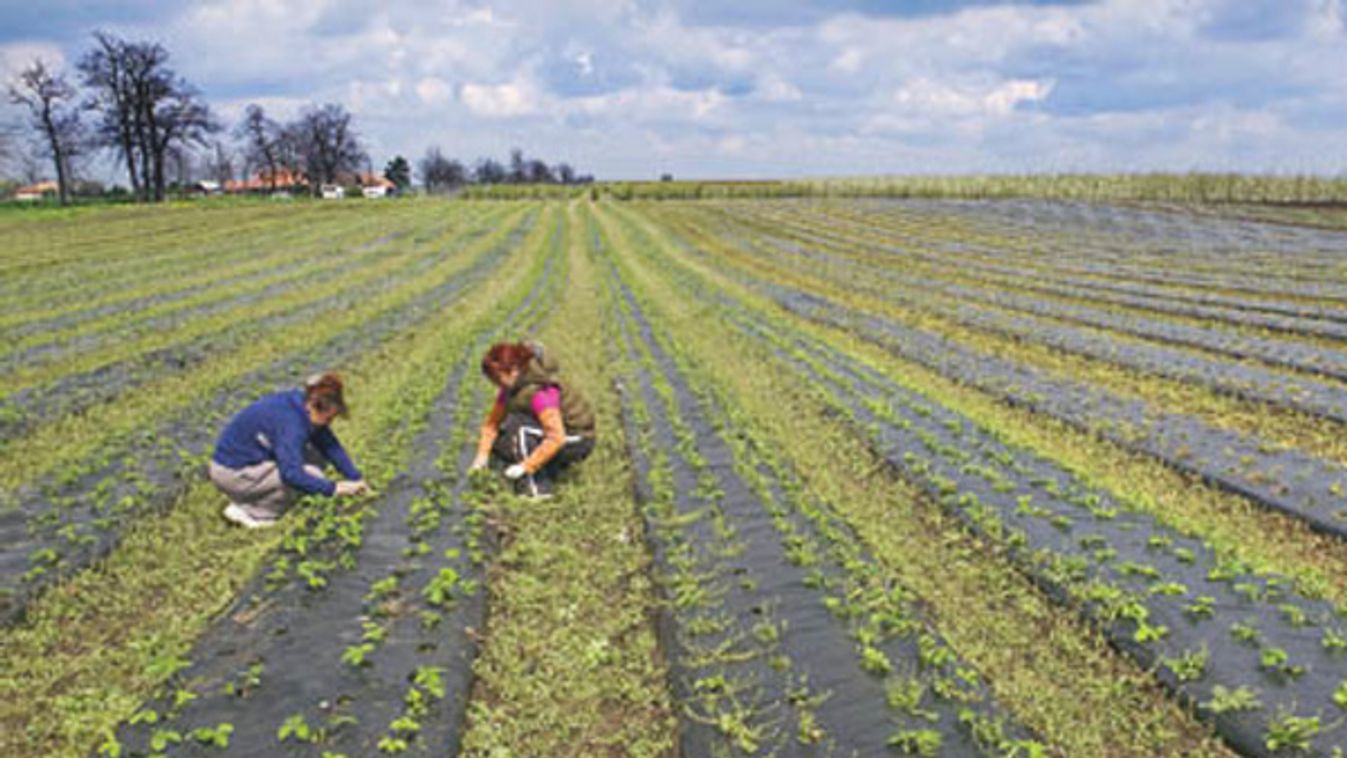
868, 673
61, 524
358, 639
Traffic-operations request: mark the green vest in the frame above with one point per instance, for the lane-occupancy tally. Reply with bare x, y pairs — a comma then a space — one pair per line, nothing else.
542, 372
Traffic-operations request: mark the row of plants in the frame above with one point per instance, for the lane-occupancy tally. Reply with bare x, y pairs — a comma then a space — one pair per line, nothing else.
1039, 257
383, 595
1278, 426
1285, 480
1153, 591
54, 240
1018, 317
110, 367
290, 257
569, 662
1111, 240
150, 599
54, 447
70, 273
1153, 587
1038, 266
1080, 695
385, 269
71, 520
882, 678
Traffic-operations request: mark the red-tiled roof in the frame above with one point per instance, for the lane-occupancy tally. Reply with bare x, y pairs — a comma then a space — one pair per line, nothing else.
39, 188
262, 181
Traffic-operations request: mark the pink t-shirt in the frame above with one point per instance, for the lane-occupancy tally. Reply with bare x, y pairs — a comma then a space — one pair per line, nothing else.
547, 397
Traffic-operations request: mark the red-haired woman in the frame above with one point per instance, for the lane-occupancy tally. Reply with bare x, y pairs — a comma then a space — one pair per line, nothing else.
539, 423
274, 449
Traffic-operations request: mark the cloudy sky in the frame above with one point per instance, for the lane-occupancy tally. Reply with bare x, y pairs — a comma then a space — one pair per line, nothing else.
704, 88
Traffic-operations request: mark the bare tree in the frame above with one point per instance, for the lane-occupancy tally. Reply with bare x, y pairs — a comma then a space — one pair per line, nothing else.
518, 167
538, 172
48, 97
6, 143
178, 160
489, 171
439, 174
220, 163
565, 174
148, 110
327, 144
104, 70
264, 142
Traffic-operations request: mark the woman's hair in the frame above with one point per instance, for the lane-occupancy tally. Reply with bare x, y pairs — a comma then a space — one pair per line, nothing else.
324, 392
504, 356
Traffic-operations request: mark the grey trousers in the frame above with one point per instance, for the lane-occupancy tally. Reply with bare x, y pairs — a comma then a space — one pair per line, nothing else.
259, 487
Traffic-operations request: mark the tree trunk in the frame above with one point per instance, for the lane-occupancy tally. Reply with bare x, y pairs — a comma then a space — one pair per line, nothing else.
57, 155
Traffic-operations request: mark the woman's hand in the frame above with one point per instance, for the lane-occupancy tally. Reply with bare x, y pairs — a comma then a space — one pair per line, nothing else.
515, 471
478, 463
348, 489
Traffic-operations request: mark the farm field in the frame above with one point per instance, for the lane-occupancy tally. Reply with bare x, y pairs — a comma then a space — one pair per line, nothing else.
874, 476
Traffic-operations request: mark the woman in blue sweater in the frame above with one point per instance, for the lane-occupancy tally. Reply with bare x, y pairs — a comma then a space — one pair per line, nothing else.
273, 451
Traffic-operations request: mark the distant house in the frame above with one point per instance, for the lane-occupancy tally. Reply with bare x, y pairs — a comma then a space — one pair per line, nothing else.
262, 181
333, 192
33, 192
372, 186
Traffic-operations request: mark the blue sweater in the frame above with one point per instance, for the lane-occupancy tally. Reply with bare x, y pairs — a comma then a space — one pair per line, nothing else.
277, 428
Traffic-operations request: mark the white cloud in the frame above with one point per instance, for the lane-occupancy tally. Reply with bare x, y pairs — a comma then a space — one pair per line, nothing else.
939, 99
16, 56
777, 90
433, 90
1004, 98
517, 98
1110, 84
848, 61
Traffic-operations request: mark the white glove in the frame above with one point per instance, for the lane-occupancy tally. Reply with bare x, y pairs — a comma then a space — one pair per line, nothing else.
477, 464
515, 471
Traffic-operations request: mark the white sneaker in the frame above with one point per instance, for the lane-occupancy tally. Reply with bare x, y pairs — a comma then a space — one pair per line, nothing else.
240, 515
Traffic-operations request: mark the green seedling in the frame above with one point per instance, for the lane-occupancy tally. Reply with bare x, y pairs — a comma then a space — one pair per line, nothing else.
297, 727
1225, 700
875, 661
1201, 608
1294, 615
808, 731
1190, 666
439, 590
1288, 732
1246, 633
356, 655
430, 679
162, 738
217, 736
921, 742
1169, 588
405, 724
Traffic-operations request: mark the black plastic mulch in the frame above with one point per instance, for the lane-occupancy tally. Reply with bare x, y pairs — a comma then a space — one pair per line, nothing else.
279, 668
1067, 535
60, 527
796, 657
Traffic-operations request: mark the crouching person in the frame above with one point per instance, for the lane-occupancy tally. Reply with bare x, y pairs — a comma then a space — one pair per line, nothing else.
275, 449
539, 423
